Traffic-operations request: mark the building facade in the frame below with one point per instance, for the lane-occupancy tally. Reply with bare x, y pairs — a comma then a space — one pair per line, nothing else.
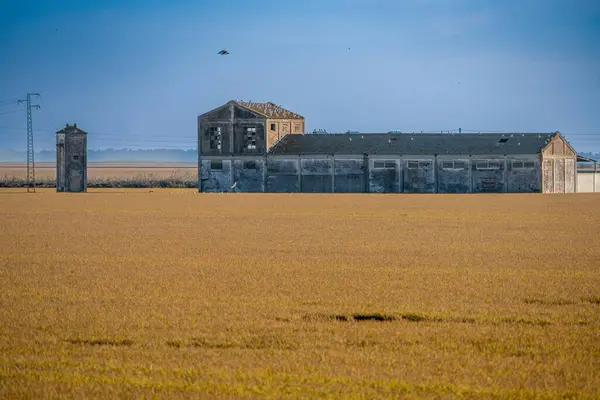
71, 159
233, 140
377, 163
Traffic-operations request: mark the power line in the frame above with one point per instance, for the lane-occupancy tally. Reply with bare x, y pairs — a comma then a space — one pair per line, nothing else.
10, 112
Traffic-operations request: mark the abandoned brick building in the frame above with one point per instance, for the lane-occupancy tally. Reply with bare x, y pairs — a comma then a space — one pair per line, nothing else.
260, 147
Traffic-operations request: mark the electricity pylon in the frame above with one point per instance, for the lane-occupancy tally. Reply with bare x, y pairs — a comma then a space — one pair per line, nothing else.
30, 152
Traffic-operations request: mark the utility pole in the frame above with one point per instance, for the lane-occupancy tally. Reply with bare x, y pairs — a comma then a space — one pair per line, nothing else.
30, 153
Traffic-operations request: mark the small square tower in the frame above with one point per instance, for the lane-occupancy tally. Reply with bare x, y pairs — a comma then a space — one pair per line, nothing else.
71, 159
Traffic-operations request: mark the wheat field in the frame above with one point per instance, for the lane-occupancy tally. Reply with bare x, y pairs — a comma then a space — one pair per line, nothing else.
101, 170
172, 293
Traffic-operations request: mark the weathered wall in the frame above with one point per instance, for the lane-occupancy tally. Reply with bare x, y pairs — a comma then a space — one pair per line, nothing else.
385, 175
316, 175
487, 174
215, 175
248, 175
523, 174
283, 174
418, 175
559, 167
71, 163
453, 175
588, 182
375, 174
231, 120
349, 174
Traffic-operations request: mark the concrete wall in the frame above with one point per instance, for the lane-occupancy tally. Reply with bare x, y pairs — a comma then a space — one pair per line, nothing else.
453, 174
283, 174
419, 174
588, 182
71, 162
371, 174
316, 174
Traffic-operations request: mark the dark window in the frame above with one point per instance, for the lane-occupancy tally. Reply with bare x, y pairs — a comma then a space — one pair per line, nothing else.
273, 127
384, 164
216, 164
249, 164
459, 165
517, 164
76, 157
424, 164
503, 140
528, 164
250, 138
447, 165
215, 137
297, 127
413, 165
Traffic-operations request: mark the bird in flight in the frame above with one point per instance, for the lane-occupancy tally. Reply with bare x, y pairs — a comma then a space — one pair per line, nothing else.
223, 52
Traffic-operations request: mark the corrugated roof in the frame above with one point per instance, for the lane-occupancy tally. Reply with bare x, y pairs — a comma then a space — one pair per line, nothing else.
414, 144
70, 129
270, 110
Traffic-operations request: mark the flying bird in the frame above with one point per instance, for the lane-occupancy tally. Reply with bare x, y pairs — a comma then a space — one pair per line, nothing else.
223, 52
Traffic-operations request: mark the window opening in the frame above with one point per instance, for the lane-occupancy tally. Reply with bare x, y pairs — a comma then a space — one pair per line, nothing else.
250, 164
216, 164
250, 138
215, 137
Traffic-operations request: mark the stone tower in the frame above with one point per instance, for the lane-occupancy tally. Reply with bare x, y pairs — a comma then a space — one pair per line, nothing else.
71, 159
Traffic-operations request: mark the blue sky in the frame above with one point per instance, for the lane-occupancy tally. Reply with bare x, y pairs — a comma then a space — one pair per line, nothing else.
137, 73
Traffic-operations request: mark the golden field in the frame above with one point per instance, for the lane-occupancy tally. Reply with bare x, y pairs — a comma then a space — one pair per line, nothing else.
102, 170
171, 293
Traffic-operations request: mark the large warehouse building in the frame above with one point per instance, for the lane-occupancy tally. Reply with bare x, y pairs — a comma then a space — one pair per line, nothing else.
260, 147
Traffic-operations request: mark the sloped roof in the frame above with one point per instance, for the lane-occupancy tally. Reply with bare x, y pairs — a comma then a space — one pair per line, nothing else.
270, 110
70, 129
414, 144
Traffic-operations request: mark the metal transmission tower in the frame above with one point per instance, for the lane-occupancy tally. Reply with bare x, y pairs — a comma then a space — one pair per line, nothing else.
30, 153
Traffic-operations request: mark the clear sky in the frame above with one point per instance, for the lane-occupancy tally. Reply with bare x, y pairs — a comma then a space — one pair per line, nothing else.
137, 73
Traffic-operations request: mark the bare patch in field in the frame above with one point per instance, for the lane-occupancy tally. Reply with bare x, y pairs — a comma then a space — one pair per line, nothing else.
101, 342
548, 302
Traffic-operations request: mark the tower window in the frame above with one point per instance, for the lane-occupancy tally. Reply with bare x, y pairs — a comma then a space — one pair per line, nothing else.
215, 137
250, 138
76, 157
273, 127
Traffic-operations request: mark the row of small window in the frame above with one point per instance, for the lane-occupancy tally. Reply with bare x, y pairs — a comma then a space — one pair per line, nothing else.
285, 128
390, 164
216, 138
482, 165
218, 164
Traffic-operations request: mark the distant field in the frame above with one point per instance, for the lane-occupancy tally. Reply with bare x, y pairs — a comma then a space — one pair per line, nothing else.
173, 293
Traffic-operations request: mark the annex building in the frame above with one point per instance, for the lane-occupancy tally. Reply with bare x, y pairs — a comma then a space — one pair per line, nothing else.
261, 147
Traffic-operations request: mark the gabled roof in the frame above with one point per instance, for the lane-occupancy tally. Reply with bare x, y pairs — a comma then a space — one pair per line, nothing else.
269, 110
414, 144
71, 129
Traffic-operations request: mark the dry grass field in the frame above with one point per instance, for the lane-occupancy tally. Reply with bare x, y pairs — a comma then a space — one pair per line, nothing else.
105, 172
172, 293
